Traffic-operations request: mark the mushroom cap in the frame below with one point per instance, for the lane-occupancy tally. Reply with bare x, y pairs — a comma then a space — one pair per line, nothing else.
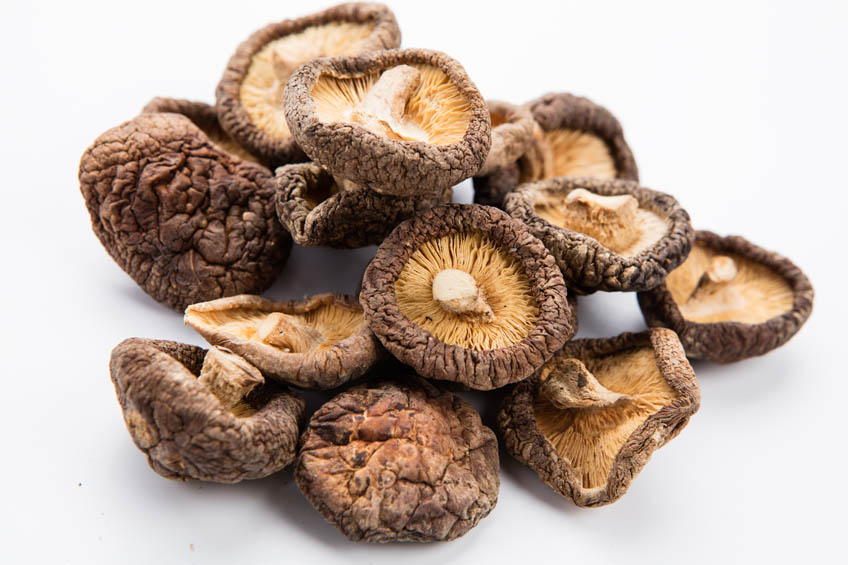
532, 318
616, 442
274, 144
182, 427
779, 300
446, 105
317, 211
587, 265
399, 461
186, 220
347, 351
512, 134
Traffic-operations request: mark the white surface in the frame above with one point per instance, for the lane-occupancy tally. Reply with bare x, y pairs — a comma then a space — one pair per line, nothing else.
736, 109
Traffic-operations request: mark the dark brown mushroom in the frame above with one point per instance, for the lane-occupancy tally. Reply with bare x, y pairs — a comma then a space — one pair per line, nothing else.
187, 220
190, 430
464, 293
590, 419
399, 461
730, 299
320, 209
402, 121
319, 342
609, 235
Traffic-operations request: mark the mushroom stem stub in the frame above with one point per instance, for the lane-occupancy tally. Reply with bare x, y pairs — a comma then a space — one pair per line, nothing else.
610, 219
569, 384
457, 292
289, 333
722, 270
228, 376
382, 110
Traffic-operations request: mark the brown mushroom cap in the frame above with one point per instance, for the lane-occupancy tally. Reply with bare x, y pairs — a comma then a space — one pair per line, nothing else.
521, 316
249, 95
443, 108
632, 394
512, 133
399, 461
319, 342
186, 220
761, 306
661, 230
319, 209
183, 428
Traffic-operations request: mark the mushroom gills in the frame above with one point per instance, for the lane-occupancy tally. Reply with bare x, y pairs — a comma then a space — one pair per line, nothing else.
576, 153
231, 379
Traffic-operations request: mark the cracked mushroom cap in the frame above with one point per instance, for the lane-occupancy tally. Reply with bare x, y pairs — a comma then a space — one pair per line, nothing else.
590, 419
186, 219
250, 94
399, 461
608, 235
320, 209
402, 121
464, 293
186, 428
318, 342
730, 299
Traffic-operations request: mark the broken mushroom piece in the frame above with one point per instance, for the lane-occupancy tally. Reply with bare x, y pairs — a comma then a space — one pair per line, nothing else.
399, 461
187, 220
319, 342
402, 121
250, 94
730, 299
464, 293
591, 418
200, 418
608, 235
319, 209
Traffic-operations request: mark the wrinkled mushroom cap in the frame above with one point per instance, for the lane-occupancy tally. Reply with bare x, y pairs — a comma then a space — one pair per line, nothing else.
514, 323
184, 429
186, 220
443, 113
636, 393
399, 461
512, 133
318, 342
763, 302
249, 95
662, 233
319, 209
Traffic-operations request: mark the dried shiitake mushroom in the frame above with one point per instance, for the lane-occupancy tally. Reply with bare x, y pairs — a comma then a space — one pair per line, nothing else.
186, 219
609, 235
399, 461
320, 209
590, 419
402, 121
250, 94
730, 299
513, 128
464, 293
319, 342
203, 416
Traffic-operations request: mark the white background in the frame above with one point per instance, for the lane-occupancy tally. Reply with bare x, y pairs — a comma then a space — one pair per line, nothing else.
736, 109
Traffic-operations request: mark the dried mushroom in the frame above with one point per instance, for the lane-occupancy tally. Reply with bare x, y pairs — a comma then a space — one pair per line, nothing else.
399, 461
319, 342
186, 219
207, 417
464, 293
730, 299
402, 121
319, 209
250, 94
609, 235
513, 129
591, 418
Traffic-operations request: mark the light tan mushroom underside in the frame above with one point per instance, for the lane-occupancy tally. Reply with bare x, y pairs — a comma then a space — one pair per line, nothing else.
577, 154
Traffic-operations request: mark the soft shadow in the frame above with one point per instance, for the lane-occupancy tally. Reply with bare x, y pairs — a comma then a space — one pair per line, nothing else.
530, 482
312, 270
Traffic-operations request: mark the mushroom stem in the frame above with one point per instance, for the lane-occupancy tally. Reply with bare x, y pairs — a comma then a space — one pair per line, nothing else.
569, 384
722, 270
609, 219
382, 109
289, 333
229, 377
457, 292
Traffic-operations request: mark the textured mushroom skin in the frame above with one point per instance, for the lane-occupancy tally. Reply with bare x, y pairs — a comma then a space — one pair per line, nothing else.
726, 342
430, 357
187, 221
399, 462
510, 140
524, 440
348, 219
183, 429
588, 266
